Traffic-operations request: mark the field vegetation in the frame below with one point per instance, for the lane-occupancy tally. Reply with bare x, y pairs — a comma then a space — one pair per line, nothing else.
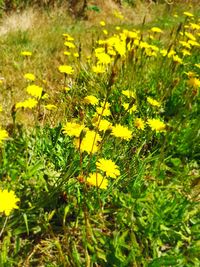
99, 135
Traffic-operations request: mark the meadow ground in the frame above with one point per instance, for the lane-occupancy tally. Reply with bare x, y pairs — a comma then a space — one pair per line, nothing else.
99, 137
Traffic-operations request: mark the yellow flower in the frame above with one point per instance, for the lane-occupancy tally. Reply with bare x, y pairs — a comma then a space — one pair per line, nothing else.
121, 131
3, 135
156, 125
29, 103
153, 102
193, 43
185, 44
76, 54
68, 37
102, 23
34, 90
194, 26
109, 167
194, 82
129, 93
50, 107
139, 123
90, 99
104, 125
190, 36
131, 109
26, 53
177, 59
66, 69
73, 129
1, 109
67, 89
96, 179
69, 44
105, 32
117, 28
89, 143
188, 14
8, 201
156, 29
185, 52
103, 111
99, 68
67, 53
29, 76
103, 58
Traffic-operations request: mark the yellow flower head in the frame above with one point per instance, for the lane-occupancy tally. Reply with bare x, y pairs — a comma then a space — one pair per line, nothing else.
156, 125
153, 102
100, 68
89, 143
194, 82
34, 90
129, 93
103, 111
139, 123
67, 53
121, 131
188, 14
3, 135
103, 125
50, 107
73, 129
69, 44
66, 69
103, 58
29, 103
26, 53
8, 201
109, 167
156, 29
76, 54
29, 76
90, 99
96, 179
102, 23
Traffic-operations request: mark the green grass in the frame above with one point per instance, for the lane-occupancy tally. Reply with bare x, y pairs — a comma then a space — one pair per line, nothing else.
149, 214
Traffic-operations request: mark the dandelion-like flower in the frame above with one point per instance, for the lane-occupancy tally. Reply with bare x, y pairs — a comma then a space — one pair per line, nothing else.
50, 107
96, 179
156, 29
29, 103
69, 44
8, 201
73, 129
66, 69
26, 53
103, 125
89, 143
121, 132
194, 82
90, 99
29, 76
109, 167
156, 125
188, 14
3, 135
139, 123
34, 90
153, 102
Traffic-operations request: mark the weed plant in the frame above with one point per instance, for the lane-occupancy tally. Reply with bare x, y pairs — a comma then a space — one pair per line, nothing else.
99, 161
